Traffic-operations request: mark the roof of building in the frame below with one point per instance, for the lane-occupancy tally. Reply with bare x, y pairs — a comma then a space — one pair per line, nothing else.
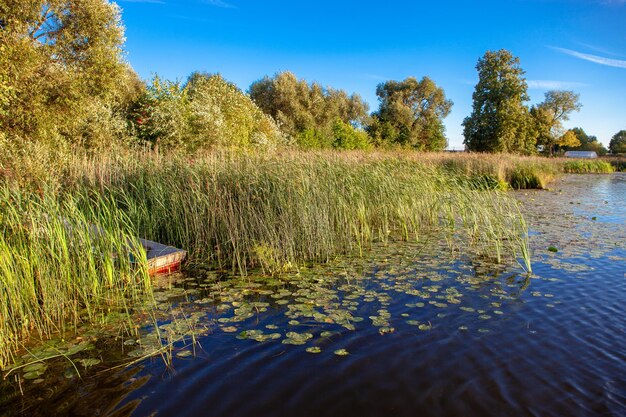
581, 154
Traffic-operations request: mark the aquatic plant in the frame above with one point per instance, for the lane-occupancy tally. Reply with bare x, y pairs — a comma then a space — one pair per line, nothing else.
66, 238
274, 210
585, 166
63, 261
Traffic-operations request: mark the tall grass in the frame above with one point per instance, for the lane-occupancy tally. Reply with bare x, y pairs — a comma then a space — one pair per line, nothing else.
235, 211
65, 242
62, 261
588, 166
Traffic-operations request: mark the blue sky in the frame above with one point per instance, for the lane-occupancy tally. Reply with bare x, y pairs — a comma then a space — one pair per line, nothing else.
577, 45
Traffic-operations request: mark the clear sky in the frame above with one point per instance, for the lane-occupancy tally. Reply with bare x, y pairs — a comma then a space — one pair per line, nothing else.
577, 45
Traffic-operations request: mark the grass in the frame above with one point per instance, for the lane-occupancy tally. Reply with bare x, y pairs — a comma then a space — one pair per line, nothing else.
56, 271
588, 166
233, 211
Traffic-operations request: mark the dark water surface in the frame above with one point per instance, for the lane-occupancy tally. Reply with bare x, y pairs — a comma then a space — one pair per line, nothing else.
409, 331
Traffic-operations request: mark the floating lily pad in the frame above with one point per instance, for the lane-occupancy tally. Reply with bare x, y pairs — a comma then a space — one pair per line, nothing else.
34, 367
229, 329
313, 349
341, 352
89, 362
386, 330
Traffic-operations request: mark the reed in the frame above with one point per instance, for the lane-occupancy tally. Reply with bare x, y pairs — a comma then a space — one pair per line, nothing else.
586, 166
231, 211
57, 270
240, 210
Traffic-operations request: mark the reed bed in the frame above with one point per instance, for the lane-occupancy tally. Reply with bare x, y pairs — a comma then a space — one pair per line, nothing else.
63, 261
238, 211
586, 166
69, 238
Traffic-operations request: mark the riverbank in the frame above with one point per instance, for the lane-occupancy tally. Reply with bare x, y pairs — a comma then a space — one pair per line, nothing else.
375, 325
233, 211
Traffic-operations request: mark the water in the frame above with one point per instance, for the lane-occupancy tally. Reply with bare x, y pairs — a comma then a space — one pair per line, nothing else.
425, 333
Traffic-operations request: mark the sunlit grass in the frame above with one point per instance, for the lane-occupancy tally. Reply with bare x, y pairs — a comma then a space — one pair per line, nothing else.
69, 233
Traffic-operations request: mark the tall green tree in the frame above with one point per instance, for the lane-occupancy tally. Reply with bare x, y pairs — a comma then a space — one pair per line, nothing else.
550, 115
500, 122
307, 111
411, 114
62, 69
618, 142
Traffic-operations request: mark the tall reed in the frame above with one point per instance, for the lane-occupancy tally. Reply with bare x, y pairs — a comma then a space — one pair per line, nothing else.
235, 211
62, 262
67, 242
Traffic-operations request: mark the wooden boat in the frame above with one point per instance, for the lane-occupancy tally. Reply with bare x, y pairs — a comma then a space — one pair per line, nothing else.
162, 259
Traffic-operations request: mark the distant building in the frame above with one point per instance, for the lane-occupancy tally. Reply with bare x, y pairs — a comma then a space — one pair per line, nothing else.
581, 154
455, 149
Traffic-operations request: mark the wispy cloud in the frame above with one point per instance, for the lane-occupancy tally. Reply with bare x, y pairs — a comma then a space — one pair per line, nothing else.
618, 63
144, 1
219, 3
553, 85
598, 49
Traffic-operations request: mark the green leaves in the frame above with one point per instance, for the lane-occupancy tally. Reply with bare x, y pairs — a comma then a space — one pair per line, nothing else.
499, 122
206, 112
315, 116
61, 67
411, 114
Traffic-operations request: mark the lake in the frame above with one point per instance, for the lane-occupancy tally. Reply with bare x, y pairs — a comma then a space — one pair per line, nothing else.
412, 329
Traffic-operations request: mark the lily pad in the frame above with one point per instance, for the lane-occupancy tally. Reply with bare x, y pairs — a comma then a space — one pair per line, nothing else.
89, 362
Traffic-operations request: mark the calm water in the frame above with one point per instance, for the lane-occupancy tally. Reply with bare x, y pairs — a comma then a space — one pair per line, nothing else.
420, 334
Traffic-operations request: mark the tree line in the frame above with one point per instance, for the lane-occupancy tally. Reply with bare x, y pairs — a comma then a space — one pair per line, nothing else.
64, 81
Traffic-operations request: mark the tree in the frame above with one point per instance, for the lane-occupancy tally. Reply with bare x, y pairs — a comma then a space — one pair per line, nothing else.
500, 122
205, 112
411, 114
306, 111
550, 115
568, 139
347, 136
618, 142
587, 143
61, 68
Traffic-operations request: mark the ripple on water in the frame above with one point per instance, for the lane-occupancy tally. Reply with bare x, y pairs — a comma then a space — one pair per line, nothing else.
424, 334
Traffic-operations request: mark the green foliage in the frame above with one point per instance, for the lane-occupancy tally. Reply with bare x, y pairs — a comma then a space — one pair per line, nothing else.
345, 136
62, 76
500, 122
163, 115
411, 114
584, 166
568, 139
313, 139
301, 108
587, 143
206, 112
618, 142
56, 271
549, 116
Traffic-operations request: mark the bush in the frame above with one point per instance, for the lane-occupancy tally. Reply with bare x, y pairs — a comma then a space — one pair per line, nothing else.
345, 136
205, 113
